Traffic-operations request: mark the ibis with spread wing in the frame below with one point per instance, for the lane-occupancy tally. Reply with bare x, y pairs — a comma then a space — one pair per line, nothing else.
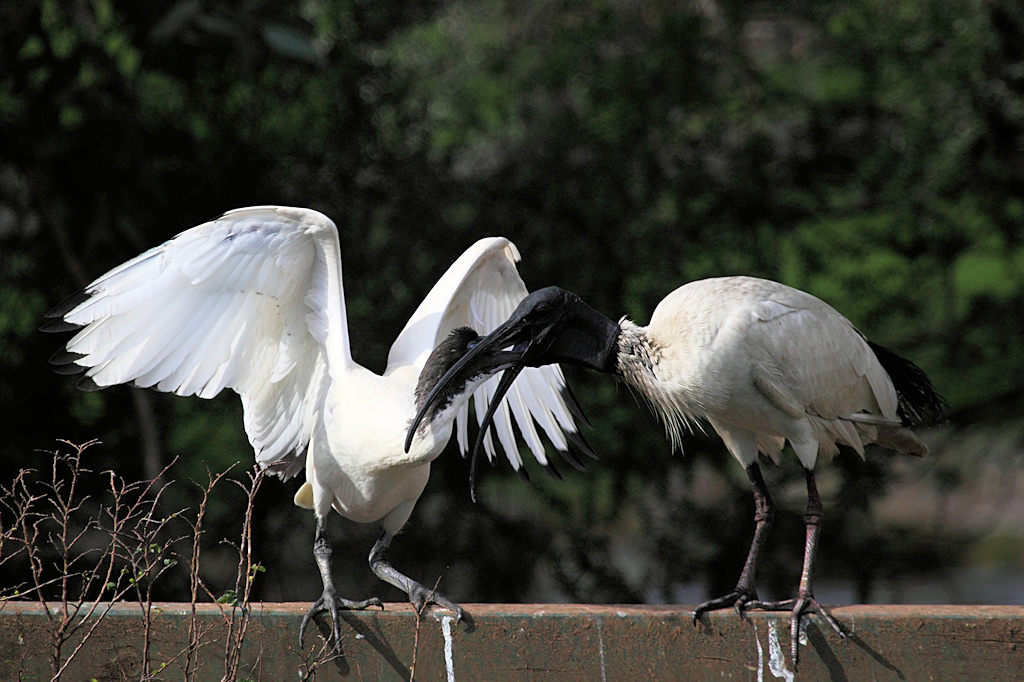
253, 302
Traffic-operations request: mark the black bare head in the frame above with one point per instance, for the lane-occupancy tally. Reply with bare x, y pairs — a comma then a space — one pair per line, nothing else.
553, 325
446, 354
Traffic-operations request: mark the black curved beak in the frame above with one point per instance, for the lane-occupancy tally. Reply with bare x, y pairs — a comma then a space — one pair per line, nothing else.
486, 357
549, 326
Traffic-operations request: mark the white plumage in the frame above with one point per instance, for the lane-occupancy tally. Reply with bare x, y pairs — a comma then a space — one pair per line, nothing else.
253, 301
762, 362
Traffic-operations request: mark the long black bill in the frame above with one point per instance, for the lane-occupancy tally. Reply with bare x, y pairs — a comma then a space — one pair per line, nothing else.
549, 326
504, 336
507, 378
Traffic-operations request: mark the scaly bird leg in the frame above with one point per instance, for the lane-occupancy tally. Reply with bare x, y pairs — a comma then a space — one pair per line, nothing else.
805, 601
746, 591
329, 601
419, 595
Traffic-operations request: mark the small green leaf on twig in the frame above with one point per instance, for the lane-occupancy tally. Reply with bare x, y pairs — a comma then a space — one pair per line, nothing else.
229, 597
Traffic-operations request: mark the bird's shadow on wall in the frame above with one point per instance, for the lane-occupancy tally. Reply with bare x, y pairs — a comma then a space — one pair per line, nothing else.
373, 636
823, 647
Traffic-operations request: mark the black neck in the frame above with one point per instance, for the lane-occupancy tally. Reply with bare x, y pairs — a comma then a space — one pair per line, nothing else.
585, 338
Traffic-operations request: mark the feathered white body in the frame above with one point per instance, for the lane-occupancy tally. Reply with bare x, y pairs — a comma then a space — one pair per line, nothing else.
762, 363
253, 301
362, 472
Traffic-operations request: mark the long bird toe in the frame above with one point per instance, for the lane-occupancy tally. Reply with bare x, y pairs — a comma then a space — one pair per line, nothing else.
739, 599
807, 604
331, 603
421, 597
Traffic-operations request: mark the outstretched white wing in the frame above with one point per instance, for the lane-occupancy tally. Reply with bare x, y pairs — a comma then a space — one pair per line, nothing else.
481, 290
251, 301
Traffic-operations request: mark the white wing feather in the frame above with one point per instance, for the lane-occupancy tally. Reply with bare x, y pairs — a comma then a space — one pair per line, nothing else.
481, 290
827, 364
251, 301
825, 367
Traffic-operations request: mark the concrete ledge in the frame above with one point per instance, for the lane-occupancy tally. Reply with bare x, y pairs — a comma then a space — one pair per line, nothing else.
533, 642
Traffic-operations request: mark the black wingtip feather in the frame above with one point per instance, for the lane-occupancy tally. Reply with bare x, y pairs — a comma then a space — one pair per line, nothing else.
66, 362
919, 403
87, 384
76, 299
553, 471
69, 369
59, 326
581, 444
575, 437
65, 357
572, 460
574, 407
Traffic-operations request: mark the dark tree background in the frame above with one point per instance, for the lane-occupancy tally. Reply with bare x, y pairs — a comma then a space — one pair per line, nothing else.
871, 153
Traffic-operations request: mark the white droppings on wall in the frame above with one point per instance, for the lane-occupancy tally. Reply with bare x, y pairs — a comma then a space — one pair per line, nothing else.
449, 659
776, 659
760, 656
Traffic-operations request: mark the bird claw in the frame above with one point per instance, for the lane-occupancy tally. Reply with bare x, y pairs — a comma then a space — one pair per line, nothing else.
739, 599
330, 603
742, 600
421, 597
784, 605
807, 604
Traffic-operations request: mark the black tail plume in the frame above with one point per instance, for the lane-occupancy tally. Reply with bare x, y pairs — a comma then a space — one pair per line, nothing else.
919, 404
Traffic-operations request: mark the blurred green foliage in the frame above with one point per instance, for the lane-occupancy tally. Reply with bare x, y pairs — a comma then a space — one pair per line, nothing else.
869, 152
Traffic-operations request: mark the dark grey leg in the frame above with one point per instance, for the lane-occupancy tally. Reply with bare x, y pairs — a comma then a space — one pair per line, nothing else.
746, 590
805, 601
329, 601
419, 596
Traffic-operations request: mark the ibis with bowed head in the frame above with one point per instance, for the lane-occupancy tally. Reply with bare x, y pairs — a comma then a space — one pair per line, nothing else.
760, 361
253, 301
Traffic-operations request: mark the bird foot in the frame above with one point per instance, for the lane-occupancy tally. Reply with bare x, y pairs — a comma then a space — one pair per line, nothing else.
329, 602
807, 604
759, 605
421, 597
739, 599
742, 600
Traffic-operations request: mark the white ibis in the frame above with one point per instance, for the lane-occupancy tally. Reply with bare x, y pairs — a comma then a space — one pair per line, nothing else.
253, 301
762, 362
